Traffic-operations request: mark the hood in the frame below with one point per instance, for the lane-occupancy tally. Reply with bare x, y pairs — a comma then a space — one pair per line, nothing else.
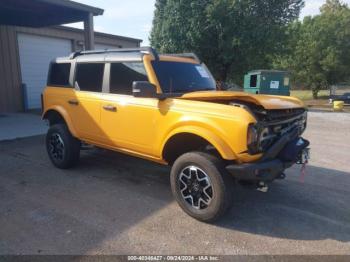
266, 101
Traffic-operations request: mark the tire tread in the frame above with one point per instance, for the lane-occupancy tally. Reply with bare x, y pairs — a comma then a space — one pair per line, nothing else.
72, 146
215, 164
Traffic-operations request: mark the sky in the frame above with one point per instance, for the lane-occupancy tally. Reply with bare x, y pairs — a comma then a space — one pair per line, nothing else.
133, 18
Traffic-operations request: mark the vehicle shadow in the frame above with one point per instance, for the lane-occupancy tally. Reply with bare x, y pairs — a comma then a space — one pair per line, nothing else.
110, 199
314, 210
120, 168
75, 211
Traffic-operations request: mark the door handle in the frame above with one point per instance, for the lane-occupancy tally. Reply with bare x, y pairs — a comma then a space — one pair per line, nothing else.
110, 108
73, 102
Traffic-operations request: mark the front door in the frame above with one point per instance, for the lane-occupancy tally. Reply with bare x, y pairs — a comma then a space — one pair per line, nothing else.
128, 122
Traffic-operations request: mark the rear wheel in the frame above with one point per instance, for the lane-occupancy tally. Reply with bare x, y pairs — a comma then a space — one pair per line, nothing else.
62, 148
201, 186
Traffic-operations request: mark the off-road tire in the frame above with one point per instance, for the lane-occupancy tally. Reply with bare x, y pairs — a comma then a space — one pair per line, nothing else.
221, 183
69, 152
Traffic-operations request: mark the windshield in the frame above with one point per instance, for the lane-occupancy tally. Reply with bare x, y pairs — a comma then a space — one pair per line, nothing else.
178, 77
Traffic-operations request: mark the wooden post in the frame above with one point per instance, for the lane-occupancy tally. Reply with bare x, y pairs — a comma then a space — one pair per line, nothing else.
89, 32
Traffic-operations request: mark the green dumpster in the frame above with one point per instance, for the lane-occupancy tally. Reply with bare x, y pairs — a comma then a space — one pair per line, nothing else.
270, 82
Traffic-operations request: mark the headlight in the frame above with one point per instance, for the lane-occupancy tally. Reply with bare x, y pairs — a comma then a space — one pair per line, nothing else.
253, 138
258, 138
252, 134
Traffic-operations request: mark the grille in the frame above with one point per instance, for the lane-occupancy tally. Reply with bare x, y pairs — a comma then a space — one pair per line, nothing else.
277, 123
280, 115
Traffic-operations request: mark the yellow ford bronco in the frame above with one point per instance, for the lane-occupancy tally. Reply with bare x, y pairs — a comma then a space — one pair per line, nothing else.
166, 108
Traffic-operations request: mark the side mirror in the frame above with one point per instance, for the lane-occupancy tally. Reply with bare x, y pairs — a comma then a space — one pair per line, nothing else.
144, 89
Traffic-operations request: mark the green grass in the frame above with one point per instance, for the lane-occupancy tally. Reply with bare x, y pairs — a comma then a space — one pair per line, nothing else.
307, 94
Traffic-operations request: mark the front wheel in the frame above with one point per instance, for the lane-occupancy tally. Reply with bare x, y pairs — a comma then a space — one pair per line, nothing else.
62, 148
201, 186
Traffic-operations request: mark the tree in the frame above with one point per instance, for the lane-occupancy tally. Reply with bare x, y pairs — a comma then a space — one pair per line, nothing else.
318, 52
332, 6
158, 18
231, 36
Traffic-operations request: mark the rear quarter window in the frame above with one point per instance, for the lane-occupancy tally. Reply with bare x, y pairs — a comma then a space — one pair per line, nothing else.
59, 74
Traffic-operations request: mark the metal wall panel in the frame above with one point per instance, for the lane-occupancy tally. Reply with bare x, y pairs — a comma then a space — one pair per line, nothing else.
10, 79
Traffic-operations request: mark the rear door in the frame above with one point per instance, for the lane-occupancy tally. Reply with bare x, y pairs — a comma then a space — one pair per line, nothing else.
85, 103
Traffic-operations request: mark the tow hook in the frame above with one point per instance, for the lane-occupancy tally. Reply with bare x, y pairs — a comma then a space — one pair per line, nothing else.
262, 187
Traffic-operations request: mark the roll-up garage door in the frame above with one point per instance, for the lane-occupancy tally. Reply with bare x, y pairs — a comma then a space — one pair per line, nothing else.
36, 53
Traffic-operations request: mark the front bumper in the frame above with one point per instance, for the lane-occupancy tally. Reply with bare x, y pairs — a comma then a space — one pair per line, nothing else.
261, 171
269, 167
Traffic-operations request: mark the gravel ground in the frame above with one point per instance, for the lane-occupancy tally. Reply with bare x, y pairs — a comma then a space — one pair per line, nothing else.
115, 204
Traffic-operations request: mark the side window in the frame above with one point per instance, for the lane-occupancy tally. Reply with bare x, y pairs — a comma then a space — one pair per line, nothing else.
124, 74
90, 76
253, 80
59, 74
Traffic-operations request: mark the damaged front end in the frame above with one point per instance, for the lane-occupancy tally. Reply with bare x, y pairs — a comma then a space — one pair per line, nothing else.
272, 125
277, 136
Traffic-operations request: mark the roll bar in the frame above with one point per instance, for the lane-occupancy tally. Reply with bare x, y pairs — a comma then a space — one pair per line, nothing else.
147, 50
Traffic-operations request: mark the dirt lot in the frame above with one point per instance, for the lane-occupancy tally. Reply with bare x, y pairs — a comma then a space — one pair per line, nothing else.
115, 204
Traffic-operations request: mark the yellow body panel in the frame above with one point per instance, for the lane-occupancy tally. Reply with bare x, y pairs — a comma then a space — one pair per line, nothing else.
267, 101
142, 126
